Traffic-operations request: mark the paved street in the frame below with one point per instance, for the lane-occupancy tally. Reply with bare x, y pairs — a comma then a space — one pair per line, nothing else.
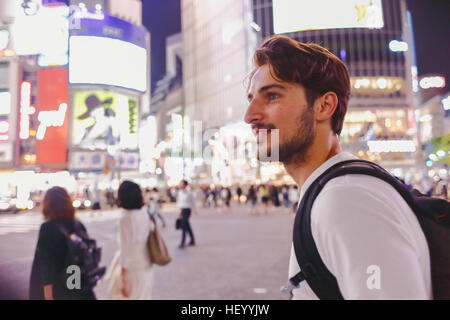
237, 256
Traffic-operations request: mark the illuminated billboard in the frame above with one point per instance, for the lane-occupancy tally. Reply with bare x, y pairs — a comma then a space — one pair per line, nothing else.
45, 33
5, 110
52, 116
103, 119
300, 15
107, 61
108, 51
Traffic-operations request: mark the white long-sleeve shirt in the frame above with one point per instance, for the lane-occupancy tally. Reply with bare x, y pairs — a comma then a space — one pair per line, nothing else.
360, 223
185, 199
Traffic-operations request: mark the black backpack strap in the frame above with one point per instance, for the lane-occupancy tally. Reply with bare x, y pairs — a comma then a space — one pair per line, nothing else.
313, 270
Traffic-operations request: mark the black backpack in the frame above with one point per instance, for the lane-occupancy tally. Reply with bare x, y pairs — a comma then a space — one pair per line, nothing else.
433, 215
84, 253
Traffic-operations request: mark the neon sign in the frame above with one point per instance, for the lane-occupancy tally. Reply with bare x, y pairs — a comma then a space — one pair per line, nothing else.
4, 130
52, 118
26, 110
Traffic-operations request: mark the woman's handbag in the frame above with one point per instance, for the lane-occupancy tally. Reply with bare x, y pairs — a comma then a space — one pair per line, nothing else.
156, 247
178, 223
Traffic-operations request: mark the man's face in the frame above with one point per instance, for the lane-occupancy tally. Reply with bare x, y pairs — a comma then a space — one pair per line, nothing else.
283, 106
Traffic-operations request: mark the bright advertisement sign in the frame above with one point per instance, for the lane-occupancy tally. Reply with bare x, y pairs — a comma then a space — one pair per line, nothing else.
104, 119
108, 51
300, 15
44, 33
107, 61
52, 116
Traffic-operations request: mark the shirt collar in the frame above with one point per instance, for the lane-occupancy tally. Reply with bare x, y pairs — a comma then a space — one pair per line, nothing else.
342, 156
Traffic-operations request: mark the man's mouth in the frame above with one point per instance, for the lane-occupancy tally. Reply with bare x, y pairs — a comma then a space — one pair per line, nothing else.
260, 131
261, 134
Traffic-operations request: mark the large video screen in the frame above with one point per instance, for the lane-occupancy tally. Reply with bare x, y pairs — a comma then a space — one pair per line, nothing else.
102, 119
107, 61
301, 15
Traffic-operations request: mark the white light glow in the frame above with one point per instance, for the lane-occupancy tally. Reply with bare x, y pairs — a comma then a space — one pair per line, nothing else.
446, 103
398, 46
4, 127
432, 82
4, 39
292, 16
5, 103
440, 153
25, 110
98, 60
47, 32
426, 118
392, 146
4, 206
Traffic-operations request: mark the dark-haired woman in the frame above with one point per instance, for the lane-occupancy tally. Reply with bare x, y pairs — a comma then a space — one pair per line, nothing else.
130, 274
49, 266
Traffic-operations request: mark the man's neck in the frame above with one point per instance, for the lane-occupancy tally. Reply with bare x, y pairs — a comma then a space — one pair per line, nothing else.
317, 154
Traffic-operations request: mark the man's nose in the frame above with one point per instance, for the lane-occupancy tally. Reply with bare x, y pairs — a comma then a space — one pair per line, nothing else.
253, 113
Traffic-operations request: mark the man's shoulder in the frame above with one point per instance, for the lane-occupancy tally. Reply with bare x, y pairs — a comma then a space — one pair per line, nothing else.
356, 194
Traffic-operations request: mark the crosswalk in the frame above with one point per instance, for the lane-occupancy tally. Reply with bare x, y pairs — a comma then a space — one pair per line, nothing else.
27, 222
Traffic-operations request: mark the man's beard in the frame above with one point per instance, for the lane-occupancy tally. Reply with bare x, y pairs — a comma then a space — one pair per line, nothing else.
295, 149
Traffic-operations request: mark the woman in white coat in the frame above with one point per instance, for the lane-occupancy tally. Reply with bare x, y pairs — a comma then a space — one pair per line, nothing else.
130, 274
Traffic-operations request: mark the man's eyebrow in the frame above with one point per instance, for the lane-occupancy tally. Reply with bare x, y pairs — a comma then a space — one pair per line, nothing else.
271, 86
268, 87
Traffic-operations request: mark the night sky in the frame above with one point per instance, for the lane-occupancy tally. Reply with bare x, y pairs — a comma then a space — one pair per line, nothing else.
430, 20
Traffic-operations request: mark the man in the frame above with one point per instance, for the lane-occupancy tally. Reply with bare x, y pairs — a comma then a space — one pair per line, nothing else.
299, 92
185, 202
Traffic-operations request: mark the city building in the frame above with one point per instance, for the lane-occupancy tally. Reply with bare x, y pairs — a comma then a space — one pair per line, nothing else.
77, 79
218, 42
373, 37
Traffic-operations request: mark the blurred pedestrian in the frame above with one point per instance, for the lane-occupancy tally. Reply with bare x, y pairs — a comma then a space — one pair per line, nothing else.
239, 194
264, 194
47, 280
274, 196
252, 197
226, 197
110, 198
285, 196
155, 206
130, 274
294, 196
186, 203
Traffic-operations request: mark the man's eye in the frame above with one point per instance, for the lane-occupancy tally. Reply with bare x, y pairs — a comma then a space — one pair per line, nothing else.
273, 96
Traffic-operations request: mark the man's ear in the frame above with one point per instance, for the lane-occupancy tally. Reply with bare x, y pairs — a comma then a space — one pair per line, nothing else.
327, 104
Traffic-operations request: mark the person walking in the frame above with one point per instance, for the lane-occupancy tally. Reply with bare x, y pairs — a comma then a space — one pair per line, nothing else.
264, 195
130, 275
239, 193
285, 197
154, 205
252, 197
52, 250
359, 223
186, 203
293, 197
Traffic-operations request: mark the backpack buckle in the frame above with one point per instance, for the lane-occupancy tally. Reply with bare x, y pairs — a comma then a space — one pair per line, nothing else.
287, 290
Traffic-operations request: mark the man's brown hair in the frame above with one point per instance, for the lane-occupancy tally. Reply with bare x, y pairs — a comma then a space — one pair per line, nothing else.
314, 67
57, 204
